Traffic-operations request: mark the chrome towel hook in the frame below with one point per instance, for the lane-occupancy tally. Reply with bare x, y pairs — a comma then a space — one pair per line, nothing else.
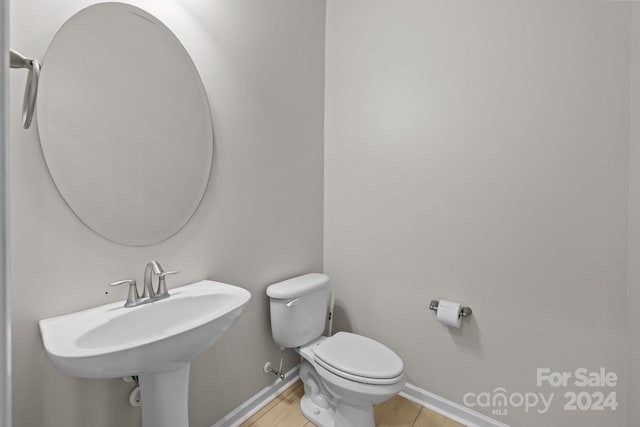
31, 89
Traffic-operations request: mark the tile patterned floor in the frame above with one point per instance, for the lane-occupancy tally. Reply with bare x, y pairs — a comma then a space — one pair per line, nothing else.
284, 411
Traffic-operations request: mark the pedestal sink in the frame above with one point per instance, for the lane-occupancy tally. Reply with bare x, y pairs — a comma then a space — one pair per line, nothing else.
154, 341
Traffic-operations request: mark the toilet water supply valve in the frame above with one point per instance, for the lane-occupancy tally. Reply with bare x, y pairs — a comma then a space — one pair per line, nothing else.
268, 368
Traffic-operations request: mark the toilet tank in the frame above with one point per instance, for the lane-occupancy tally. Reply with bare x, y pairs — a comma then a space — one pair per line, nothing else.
298, 309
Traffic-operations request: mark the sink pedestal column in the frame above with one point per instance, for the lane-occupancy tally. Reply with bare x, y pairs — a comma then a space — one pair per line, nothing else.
165, 398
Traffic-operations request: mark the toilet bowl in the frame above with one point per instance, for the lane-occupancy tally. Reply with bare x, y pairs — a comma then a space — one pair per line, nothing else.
349, 396
343, 375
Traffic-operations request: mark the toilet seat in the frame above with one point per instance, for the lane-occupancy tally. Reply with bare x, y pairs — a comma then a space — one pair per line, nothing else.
358, 358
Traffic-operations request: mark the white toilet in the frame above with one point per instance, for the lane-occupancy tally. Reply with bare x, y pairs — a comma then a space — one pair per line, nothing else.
344, 375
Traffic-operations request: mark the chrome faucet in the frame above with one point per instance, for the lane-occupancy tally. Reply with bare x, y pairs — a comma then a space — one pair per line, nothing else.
148, 293
153, 267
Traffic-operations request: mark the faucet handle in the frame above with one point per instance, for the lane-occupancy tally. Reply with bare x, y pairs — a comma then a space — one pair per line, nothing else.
162, 285
168, 273
133, 298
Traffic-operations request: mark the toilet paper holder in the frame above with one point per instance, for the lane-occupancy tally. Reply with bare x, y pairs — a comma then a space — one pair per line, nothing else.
464, 311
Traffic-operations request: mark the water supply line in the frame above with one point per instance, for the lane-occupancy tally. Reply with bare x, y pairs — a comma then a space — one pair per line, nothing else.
332, 301
17, 60
268, 368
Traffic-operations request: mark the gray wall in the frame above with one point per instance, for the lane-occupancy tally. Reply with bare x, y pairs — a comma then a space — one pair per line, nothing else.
261, 219
633, 301
5, 345
477, 151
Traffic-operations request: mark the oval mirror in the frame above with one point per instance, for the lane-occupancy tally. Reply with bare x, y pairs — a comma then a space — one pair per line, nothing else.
124, 124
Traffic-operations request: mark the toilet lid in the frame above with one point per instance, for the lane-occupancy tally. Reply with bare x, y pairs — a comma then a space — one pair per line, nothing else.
358, 357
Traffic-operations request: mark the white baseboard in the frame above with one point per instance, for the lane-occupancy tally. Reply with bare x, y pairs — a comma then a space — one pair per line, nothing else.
461, 414
449, 409
245, 411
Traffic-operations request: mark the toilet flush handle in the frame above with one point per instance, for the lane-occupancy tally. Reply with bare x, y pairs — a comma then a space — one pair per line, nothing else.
293, 302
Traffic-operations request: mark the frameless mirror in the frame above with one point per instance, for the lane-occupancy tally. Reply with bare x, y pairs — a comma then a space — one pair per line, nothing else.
124, 124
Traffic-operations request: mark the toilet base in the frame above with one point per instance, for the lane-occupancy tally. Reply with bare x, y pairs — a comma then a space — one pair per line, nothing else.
321, 417
343, 416
354, 416
324, 410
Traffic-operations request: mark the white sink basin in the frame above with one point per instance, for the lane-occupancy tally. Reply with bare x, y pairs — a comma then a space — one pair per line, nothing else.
155, 341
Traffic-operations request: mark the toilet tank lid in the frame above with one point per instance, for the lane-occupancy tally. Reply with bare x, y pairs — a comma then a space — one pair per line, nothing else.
298, 286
